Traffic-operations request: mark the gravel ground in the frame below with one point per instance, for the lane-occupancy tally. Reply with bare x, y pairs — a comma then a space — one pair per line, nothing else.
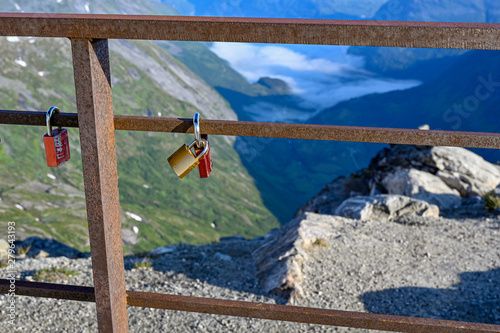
439, 268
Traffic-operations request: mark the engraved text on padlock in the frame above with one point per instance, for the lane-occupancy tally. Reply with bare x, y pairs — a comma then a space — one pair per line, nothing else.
56, 142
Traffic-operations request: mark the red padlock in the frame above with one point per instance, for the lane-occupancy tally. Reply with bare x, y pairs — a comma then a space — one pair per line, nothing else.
56, 142
205, 166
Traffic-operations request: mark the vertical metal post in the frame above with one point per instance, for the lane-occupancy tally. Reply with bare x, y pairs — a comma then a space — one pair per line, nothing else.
95, 118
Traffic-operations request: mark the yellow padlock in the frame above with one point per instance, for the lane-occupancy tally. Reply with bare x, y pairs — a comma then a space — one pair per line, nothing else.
183, 160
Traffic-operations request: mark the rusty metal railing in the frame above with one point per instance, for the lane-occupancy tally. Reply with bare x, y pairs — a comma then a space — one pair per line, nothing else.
96, 122
273, 130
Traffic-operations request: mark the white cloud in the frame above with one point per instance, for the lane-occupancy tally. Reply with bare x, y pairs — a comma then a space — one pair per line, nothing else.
321, 75
13, 39
281, 56
327, 93
255, 61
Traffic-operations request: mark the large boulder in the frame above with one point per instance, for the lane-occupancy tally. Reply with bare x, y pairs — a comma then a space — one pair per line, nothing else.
442, 176
465, 171
422, 185
459, 168
280, 257
385, 208
129, 236
4, 248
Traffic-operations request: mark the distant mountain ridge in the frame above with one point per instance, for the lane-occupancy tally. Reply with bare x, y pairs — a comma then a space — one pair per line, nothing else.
440, 11
424, 64
280, 8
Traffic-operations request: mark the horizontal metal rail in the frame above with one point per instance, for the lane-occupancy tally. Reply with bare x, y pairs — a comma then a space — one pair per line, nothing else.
273, 130
253, 310
481, 36
48, 290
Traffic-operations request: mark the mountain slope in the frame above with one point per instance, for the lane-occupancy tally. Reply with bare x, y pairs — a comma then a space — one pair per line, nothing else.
424, 64
464, 98
37, 73
207, 65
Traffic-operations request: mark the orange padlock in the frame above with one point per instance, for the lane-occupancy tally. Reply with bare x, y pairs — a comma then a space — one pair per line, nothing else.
205, 166
56, 142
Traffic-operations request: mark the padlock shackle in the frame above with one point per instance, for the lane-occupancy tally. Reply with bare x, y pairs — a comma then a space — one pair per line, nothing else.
50, 113
204, 144
197, 133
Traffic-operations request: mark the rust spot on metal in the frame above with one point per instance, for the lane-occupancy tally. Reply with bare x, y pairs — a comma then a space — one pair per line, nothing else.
453, 35
273, 130
49, 290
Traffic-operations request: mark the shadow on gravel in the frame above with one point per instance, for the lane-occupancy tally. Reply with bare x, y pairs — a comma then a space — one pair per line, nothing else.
227, 264
475, 299
50, 247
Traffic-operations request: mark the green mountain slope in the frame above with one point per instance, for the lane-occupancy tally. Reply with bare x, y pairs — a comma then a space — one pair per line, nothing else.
207, 65
220, 75
37, 73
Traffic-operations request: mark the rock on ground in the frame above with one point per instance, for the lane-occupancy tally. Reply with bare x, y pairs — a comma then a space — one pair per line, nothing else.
4, 248
385, 208
422, 185
443, 176
280, 256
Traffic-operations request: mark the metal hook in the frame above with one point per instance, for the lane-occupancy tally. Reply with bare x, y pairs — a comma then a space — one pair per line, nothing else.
197, 134
50, 112
204, 144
